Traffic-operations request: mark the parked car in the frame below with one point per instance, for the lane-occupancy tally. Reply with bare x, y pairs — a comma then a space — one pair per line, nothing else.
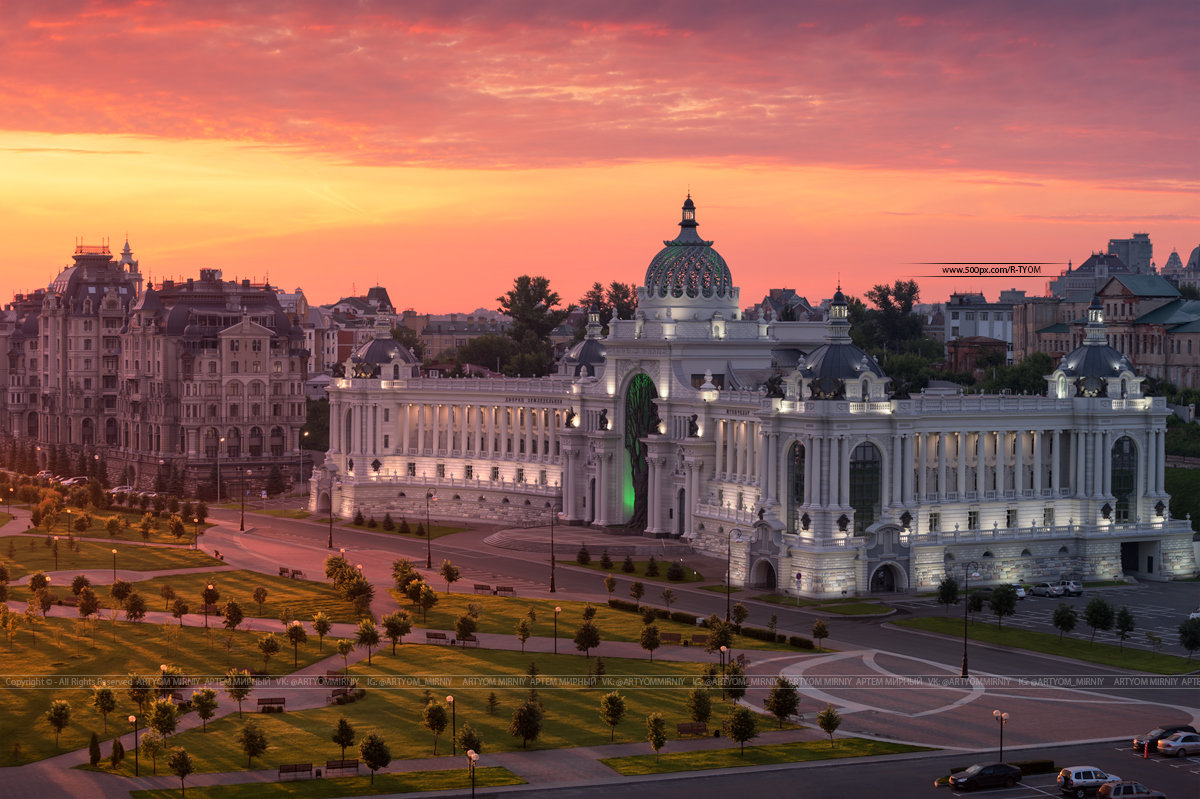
1157, 734
1128, 790
1020, 589
1179, 744
73, 481
121, 490
44, 474
1195, 614
1071, 588
1082, 780
1046, 589
992, 775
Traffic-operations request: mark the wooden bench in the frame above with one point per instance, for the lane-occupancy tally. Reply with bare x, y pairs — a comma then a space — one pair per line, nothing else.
480, 588
271, 703
699, 640
336, 692
505, 590
295, 769
670, 638
692, 728
465, 640
297, 574
436, 638
340, 765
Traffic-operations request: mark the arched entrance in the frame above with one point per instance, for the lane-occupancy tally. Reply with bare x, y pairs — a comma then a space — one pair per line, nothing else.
887, 578
763, 575
323, 502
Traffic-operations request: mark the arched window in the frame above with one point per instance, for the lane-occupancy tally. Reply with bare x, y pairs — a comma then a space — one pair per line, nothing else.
1124, 476
795, 485
866, 470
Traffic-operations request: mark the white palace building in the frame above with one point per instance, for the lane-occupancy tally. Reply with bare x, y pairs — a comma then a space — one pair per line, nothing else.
783, 450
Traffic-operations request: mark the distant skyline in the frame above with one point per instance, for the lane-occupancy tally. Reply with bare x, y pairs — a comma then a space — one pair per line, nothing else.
441, 149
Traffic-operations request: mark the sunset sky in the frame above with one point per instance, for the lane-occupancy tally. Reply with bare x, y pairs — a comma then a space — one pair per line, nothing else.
443, 148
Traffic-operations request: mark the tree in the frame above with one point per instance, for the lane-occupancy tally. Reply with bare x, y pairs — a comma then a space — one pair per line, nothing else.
668, 596
167, 593
118, 753
163, 718
975, 602
699, 705
637, 591
135, 607
238, 684
742, 726
140, 691
395, 626
321, 626
612, 710
252, 740
368, 636
493, 702
343, 735
735, 683
179, 610
947, 592
89, 604
1003, 602
720, 634
181, 765
344, 648
151, 746
1124, 624
94, 750
374, 753
435, 719
783, 700
120, 590
531, 306
204, 700
59, 716
526, 722
409, 338
268, 645
656, 732
589, 612
427, 598
79, 583
297, 635
450, 573
820, 631
587, 638
260, 596
523, 632
465, 625
1064, 619
1189, 636
233, 615
104, 701
650, 639
1098, 615
829, 720
491, 351
583, 557
610, 584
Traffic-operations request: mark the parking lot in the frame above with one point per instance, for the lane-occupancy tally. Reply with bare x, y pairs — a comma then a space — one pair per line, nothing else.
1175, 777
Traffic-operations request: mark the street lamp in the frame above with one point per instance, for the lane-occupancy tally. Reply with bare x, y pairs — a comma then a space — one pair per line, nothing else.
303, 435
453, 726
114, 553
429, 495
1003, 719
472, 756
133, 721
207, 594
724, 650
242, 525
729, 568
970, 570
220, 444
55, 553
557, 610
196, 538
553, 513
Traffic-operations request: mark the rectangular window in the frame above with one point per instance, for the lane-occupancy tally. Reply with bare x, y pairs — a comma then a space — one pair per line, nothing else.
386, 414
469, 472
520, 475
1010, 518
495, 473
954, 316
542, 477
441, 470
412, 470
935, 522
386, 441
983, 316
1048, 517
972, 520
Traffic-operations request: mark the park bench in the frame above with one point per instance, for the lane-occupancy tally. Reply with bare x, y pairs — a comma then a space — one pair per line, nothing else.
283, 571
742, 661
505, 590
336, 692
692, 728
436, 638
671, 638
297, 574
699, 640
464, 640
480, 588
270, 704
340, 765
295, 769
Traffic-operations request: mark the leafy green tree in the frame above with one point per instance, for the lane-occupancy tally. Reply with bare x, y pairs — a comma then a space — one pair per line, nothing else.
89, 604
167, 593
468, 738
94, 750
1189, 636
493, 702
344, 648
450, 573
1098, 615
252, 740
610, 584
668, 596
612, 710
637, 591
374, 753
743, 726
409, 338
783, 700
1064, 619
104, 701
735, 682
720, 634
426, 599
820, 631
79, 583
523, 632
530, 304
152, 747
344, 735
829, 720
1026, 377
297, 635
233, 615
490, 351
947, 592
260, 596
465, 625
587, 638
435, 719
1003, 602
140, 691
163, 718
699, 705
179, 609
650, 639
181, 765
368, 636
58, 716
321, 626
204, 700
135, 607
739, 614
396, 625
118, 753
238, 684
1124, 625
526, 722
656, 733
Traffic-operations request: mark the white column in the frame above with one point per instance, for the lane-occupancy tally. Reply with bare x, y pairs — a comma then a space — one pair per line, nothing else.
941, 452
1057, 437
1037, 462
1001, 461
980, 461
960, 453
813, 486
906, 447
844, 479
1098, 460
502, 412
1106, 442
835, 471
1019, 462
921, 445
1160, 462
652, 496
809, 460
895, 473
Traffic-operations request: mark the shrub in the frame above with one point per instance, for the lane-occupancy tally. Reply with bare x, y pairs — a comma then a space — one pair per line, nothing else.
358, 517
652, 567
583, 557
675, 571
800, 642
686, 618
758, 633
621, 604
371, 523
627, 565
605, 560
388, 524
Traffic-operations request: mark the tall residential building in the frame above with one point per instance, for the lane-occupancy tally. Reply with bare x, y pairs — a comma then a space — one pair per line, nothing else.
971, 316
1137, 252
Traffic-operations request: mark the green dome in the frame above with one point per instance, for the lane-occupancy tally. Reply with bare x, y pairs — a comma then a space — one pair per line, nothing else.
688, 266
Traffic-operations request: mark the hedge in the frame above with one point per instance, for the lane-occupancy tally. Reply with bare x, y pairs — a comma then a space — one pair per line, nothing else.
800, 642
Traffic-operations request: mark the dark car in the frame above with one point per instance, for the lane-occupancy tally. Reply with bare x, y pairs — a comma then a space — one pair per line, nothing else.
1156, 735
992, 775
1128, 790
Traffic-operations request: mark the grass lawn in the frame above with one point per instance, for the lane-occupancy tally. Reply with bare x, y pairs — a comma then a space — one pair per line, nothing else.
285, 513
28, 554
439, 530
5, 518
1048, 643
454, 779
395, 698
64, 650
636, 765
857, 609
500, 615
158, 535
302, 597
639, 572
